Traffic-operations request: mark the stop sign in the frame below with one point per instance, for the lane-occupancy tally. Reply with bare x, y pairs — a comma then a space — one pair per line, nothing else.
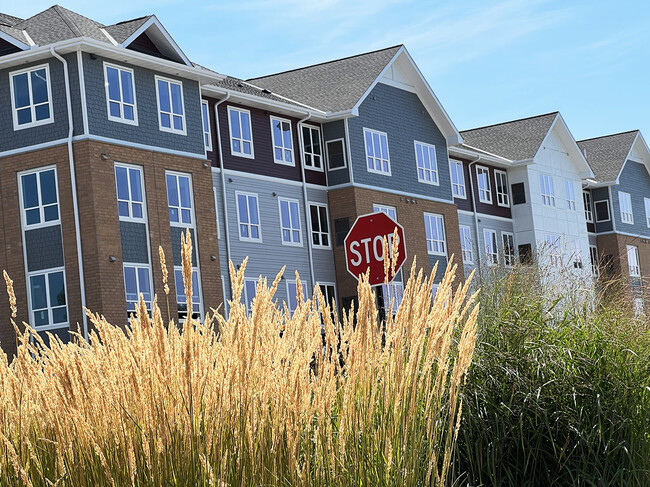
364, 246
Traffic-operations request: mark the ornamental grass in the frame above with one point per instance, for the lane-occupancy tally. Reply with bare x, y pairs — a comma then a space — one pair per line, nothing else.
259, 398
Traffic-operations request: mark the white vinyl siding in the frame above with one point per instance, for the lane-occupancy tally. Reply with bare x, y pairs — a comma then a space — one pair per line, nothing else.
434, 226
625, 203
466, 245
120, 94
457, 179
427, 165
377, 156
282, 136
171, 108
484, 185
31, 97
290, 222
633, 261
248, 217
241, 134
570, 195
546, 189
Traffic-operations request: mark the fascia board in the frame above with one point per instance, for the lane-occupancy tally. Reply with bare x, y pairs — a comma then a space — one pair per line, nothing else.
154, 21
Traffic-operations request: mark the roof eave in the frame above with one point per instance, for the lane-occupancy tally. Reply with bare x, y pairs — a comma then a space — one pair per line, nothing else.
12, 40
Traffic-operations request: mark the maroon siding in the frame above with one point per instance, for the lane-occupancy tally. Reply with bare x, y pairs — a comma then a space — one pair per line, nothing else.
488, 209
145, 45
263, 163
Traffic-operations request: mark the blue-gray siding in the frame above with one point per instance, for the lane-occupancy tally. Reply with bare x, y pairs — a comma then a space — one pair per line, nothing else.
134, 242
602, 194
634, 180
44, 248
332, 131
478, 244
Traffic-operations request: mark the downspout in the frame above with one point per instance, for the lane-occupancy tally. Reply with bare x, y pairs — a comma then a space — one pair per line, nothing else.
73, 182
223, 182
304, 198
478, 237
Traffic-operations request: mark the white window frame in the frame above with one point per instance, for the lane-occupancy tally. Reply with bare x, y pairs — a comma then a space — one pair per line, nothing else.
457, 187
491, 251
594, 260
509, 260
46, 273
328, 298
304, 294
206, 121
609, 211
311, 166
14, 110
131, 218
391, 211
170, 129
320, 232
394, 290
259, 217
291, 227
248, 303
282, 147
345, 156
503, 198
554, 248
433, 170
240, 139
570, 195
121, 102
646, 202
467, 249
23, 211
137, 266
428, 219
179, 223
197, 271
625, 203
589, 210
374, 157
633, 264
484, 191
547, 190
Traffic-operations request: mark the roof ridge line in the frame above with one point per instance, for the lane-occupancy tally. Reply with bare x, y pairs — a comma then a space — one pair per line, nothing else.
67, 20
130, 20
510, 121
326, 62
609, 135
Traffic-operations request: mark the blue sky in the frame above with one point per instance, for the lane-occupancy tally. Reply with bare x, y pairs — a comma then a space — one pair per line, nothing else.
488, 62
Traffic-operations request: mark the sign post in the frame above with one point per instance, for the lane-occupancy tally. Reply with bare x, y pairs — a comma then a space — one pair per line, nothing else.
364, 247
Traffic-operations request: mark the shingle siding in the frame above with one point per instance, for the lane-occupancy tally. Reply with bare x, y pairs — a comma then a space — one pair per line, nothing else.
332, 131
634, 180
404, 118
147, 131
134, 242
602, 194
44, 248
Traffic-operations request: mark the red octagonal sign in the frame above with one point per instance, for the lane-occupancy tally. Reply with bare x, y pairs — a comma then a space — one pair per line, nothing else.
364, 246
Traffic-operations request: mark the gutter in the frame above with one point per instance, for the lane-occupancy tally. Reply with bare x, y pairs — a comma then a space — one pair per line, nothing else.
73, 182
305, 204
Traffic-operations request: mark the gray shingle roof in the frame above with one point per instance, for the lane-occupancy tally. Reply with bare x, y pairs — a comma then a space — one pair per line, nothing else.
9, 20
606, 155
59, 24
15, 33
332, 86
517, 140
123, 30
241, 86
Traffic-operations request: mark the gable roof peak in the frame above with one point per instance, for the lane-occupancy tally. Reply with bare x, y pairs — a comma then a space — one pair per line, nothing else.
523, 119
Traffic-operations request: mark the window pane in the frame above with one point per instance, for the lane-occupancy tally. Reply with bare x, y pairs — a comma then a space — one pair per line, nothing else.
136, 188
145, 286
163, 96
33, 216
41, 318
114, 109
60, 315
122, 183
242, 203
39, 296
50, 213
165, 120
21, 90
57, 289
245, 123
130, 283
284, 214
252, 203
295, 218
113, 84
204, 113
48, 187
137, 210
313, 212
177, 102
39, 86
42, 112
127, 87
24, 116
184, 184
172, 190
234, 126
178, 123
123, 208
30, 191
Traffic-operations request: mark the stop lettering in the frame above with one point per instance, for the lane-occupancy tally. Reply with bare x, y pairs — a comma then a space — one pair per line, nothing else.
364, 246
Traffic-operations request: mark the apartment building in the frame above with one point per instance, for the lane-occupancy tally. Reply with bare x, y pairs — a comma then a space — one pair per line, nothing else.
617, 209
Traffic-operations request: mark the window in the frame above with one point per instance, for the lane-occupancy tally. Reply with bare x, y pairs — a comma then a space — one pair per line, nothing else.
179, 199
509, 257
336, 154
120, 94
593, 256
48, 299
171, 114
425, 157
491, 249
181, 299
248, 217
576, 254
319, 225
282, 141
329, 293
250, 290
130, 194
484, 189
547, 191
312, 153
290, 222
434, 227
292, 295
137, 280
31, 97
501, 180
586, 199
552, 243
602, 211
633, 261
466, 245
646, 201
38, 195
457, 179
570, 195
394, 292
625, 202
207, 134
518, 194
378, 160
241, 135
391, 211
